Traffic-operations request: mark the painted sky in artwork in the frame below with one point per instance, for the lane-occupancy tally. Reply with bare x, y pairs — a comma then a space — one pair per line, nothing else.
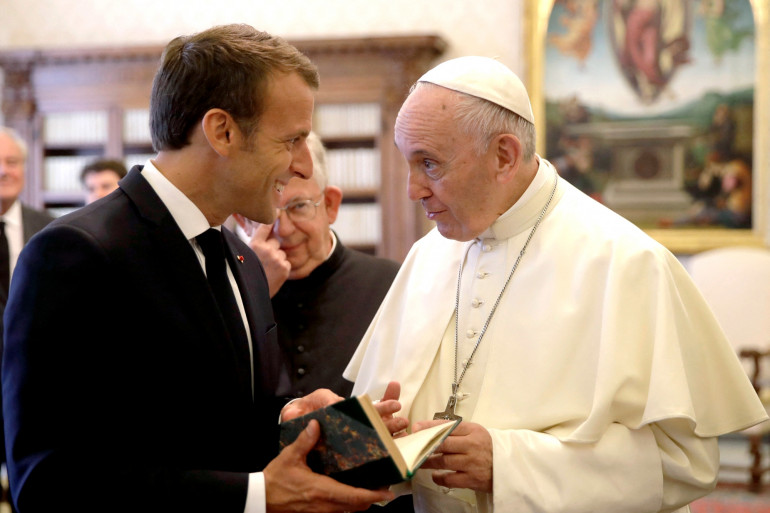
598, 82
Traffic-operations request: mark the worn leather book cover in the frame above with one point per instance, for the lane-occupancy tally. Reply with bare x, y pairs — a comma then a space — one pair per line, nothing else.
356, 448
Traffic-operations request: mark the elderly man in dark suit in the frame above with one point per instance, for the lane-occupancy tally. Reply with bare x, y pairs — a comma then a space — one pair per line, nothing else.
18, 222
171, 406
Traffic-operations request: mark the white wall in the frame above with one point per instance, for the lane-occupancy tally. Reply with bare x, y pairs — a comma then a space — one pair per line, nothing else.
492, 27
493, 30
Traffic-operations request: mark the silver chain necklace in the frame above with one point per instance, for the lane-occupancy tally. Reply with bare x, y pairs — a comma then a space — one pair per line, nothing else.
449, 412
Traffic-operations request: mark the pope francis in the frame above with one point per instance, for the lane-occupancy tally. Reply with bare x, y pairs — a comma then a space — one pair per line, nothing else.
589, 372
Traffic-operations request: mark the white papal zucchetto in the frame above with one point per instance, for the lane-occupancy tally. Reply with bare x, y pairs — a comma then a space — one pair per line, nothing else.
485, 78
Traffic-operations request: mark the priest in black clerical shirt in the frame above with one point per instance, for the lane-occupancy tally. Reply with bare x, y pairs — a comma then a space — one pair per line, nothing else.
324, 294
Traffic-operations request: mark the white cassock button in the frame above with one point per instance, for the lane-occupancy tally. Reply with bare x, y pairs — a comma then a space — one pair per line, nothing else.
486, 248
470, 333
475, 303
481, 275
465, 362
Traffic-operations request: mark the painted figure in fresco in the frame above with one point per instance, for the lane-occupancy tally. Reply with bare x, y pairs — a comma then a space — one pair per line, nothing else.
574, 156
722, 132
579, 22
722, 193
725, 196
651, 40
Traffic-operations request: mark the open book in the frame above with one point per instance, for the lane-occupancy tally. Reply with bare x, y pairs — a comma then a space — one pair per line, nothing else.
356, 448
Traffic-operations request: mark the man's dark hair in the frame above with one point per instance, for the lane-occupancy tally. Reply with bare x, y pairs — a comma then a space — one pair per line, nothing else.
101, 165
226, 67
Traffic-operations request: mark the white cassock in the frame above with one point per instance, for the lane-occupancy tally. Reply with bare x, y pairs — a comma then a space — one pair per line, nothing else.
603, 377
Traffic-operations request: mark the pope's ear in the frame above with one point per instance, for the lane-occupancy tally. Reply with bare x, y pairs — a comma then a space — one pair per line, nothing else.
220, 131
332, 201
507, 153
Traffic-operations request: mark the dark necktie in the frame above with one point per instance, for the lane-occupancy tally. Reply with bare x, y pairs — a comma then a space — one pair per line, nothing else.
5, 261
213, 245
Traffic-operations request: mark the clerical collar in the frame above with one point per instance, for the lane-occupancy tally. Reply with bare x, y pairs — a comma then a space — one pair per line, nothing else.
524, 212
334, 244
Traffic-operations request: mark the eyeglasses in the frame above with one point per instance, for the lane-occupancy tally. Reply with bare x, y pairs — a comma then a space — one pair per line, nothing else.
300, 210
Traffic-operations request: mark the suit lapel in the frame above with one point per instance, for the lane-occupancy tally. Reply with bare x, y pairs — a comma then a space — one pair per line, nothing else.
235, 261
242, 264
268, 359
183, 268
32, 222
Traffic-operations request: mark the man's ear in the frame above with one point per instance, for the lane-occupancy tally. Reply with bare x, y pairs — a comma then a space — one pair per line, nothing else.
506, 151
220, 131
332, 201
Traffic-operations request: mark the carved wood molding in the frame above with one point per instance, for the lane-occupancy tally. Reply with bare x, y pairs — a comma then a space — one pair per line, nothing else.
402, 47
18, 95
81, 55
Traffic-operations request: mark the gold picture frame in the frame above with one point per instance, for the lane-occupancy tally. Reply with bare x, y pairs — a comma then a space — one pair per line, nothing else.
680, 240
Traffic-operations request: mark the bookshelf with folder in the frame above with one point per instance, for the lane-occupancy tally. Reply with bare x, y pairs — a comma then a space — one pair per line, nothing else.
350, 132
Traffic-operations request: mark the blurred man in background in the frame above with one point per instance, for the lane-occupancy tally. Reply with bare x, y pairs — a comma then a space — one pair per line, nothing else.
101, 177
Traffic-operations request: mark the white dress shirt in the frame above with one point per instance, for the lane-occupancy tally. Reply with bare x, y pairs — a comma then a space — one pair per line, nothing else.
14, 232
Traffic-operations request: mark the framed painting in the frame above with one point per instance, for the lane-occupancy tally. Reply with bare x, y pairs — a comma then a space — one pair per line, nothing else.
660, 109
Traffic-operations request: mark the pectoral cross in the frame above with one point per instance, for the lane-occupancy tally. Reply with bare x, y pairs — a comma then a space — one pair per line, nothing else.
449, 412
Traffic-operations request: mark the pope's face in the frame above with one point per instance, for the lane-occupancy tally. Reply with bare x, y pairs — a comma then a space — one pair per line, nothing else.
454, 185
276, 152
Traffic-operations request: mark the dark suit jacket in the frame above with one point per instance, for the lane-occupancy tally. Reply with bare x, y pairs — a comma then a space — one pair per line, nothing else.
122, 391
32, 221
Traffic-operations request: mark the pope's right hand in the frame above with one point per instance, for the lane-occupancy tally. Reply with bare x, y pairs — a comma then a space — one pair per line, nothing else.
388, 406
